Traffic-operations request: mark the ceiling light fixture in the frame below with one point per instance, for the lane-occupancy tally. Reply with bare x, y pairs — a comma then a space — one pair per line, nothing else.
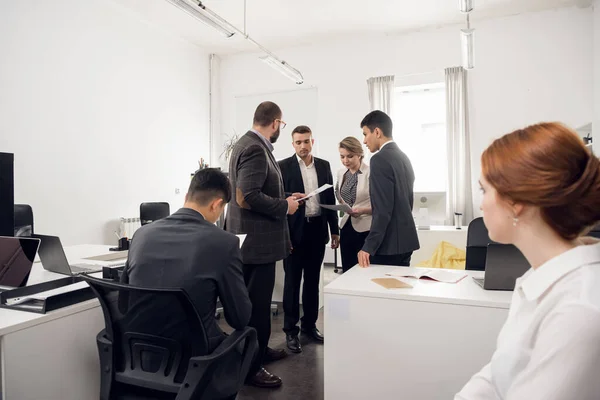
465, 6
206, 16
215, 21
467, 39
467, 44
284, 68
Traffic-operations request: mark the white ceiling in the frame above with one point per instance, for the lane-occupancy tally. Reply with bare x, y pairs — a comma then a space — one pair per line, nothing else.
279, 23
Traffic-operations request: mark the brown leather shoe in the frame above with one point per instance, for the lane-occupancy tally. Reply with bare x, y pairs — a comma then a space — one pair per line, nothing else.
274, 355
264, 379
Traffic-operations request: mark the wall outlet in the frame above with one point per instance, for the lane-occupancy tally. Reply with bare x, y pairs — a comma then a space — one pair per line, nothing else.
177, 190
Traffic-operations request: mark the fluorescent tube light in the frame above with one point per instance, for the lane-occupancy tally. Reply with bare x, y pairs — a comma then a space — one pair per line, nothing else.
284, 68
467, 45
465, 6
199, 12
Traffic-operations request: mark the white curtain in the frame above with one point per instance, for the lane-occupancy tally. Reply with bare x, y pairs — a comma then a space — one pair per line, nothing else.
459, 198
381, 93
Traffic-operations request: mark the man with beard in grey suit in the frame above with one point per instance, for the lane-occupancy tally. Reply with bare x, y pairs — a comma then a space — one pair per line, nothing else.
259, 209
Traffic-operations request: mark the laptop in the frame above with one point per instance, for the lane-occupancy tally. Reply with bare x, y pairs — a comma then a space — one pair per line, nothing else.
504, 263
16, 259
53, 258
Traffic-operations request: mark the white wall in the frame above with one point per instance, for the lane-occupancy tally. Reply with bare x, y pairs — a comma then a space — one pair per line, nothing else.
528, 68
102, 111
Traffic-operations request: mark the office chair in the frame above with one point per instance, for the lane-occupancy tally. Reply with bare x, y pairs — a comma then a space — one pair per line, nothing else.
477, 241
150, 212
23, 220
147, 353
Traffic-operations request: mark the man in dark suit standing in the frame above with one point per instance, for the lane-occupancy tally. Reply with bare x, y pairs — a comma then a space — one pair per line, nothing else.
393, 235
303, 173
187, 250
259, 211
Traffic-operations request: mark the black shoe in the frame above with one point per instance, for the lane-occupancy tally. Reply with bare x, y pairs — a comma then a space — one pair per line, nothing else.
293, 343
274, 355
264, 379
314, 334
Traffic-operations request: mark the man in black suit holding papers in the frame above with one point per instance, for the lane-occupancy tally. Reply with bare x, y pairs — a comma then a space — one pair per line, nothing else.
304, 173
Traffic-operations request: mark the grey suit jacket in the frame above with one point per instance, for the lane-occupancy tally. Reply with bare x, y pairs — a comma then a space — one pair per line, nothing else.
391, 183
258, 208
185, 251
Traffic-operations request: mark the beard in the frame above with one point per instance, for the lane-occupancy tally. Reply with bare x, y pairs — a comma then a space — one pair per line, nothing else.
275, 136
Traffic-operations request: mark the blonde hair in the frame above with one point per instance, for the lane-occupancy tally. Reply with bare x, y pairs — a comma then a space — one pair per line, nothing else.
352, 145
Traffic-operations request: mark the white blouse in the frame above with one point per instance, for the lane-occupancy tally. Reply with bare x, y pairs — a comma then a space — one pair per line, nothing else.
549, 347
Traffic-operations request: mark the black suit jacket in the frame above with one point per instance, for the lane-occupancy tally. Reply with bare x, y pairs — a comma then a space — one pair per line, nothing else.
185, 251
391, 183
259, 208
292, 181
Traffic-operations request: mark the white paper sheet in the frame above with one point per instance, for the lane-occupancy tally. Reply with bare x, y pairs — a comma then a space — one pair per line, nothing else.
317, 191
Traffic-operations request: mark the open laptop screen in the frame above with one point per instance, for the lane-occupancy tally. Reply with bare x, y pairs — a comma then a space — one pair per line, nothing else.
16, 258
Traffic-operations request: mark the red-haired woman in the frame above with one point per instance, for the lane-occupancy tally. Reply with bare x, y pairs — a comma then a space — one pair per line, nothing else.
541, 192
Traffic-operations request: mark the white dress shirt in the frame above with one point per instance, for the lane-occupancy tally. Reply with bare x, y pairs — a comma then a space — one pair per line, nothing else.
385, 144
549, 347
311, 183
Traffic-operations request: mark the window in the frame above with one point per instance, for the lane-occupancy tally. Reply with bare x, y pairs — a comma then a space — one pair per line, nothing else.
419, 117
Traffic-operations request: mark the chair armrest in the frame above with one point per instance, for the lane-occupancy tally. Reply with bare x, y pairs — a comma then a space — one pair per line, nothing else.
227, 345
200, 368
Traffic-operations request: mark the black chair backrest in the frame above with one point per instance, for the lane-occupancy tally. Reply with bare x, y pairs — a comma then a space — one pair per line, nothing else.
23, 220
149, 338
150, 212
477, 241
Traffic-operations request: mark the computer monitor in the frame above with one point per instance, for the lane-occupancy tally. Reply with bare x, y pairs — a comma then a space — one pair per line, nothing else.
7, 219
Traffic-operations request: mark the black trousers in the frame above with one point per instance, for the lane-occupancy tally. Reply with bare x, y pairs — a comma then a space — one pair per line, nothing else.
351, 242
307, 258
260, 281
402, 260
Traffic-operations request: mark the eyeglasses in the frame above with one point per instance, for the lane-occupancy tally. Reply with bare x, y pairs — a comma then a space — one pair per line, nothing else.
282, 124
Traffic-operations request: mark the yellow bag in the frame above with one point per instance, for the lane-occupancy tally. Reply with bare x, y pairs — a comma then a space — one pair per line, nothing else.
447, 256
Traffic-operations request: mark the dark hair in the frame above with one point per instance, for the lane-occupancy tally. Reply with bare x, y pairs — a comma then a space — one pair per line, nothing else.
208, 184
378, 119
301, 129
547, 166
266, 113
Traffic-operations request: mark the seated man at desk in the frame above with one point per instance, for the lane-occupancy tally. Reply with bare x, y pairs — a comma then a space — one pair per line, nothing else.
187, 250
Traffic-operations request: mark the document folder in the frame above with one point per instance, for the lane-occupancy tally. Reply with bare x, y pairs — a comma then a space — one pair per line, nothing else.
47, 296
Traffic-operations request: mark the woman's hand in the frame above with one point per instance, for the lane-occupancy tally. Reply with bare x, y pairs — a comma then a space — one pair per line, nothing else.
357, 212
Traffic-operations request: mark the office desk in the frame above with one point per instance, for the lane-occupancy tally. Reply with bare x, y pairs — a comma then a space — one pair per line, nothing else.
422, 343
52, 356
